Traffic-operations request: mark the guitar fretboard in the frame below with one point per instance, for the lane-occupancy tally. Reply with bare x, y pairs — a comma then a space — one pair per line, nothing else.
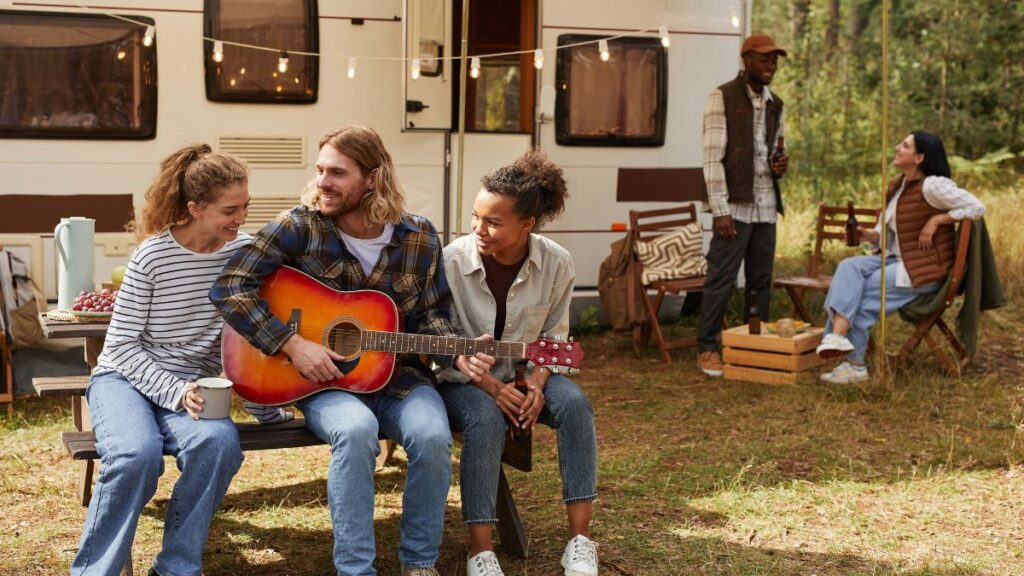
450, 345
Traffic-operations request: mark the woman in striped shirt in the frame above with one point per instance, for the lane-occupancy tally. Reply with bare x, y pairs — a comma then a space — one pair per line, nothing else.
163, 336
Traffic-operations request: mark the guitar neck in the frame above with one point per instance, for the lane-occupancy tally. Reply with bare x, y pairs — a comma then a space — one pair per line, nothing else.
447, 345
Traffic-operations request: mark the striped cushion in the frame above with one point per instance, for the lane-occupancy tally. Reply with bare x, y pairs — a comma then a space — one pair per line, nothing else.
673, 255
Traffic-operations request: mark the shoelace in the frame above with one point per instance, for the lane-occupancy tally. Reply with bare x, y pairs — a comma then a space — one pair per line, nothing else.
488, 566
585, 551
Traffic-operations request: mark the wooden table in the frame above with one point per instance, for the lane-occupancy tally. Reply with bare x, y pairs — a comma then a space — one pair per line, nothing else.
93, 333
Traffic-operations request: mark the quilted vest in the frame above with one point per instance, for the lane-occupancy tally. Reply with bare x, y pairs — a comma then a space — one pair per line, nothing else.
739, 149
912, 213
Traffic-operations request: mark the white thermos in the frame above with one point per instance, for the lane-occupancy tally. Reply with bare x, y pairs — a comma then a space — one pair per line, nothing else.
75, 239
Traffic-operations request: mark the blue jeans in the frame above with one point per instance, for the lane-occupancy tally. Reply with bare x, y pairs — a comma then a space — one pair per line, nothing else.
856, 294
474, 412
132, 435
350, 424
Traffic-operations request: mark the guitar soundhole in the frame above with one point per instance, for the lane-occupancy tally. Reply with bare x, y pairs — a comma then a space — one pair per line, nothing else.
344, 339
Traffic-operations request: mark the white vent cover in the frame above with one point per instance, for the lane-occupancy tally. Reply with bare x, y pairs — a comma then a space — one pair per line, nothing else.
266, 151
263, 210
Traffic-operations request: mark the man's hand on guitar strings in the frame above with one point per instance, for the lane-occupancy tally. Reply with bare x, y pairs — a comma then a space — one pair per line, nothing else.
314, 361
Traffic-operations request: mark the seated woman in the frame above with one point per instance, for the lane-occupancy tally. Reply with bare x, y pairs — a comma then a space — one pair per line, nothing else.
921, 207
516, 285
163, 336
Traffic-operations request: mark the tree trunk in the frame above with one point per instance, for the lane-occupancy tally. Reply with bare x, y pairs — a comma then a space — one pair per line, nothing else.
832, 29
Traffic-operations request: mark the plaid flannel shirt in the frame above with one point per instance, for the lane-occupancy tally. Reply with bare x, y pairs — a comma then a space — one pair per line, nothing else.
410, 271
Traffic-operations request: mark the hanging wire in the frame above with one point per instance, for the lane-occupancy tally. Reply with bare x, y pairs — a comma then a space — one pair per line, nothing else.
661, 30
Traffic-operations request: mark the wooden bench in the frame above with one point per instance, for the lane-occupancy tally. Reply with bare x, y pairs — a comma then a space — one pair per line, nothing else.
81, 445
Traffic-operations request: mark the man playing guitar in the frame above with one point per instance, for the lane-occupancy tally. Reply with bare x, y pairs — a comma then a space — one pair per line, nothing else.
352, 233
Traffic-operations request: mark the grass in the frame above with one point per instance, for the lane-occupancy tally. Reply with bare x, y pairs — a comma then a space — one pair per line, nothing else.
917, 475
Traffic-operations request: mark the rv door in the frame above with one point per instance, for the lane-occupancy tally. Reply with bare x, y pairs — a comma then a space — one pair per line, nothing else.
428, 66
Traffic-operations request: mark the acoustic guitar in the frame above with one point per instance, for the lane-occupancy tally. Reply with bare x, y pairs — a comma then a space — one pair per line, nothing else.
361, 325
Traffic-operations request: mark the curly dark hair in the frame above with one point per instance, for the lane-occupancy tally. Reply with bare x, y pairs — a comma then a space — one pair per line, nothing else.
534, 183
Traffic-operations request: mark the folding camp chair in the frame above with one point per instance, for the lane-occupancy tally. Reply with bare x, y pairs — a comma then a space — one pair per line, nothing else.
646, 225
923, 327
831, 226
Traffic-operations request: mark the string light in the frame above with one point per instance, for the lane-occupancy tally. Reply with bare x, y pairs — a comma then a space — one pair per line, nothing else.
474, 67
603, 47
352, 67
282, 65
218, 51
121, 54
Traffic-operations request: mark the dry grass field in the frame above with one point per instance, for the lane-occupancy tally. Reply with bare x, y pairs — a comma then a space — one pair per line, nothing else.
915, 474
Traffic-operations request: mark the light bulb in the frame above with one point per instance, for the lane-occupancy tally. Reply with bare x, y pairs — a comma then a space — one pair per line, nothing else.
538, 58
282, 62
735, 19
663, 32
474, 67
218, 51
351, 67
121, 54
415, 72
602, 45
147, 38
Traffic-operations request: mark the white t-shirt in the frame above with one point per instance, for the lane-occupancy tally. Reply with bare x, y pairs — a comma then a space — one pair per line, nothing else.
367, 250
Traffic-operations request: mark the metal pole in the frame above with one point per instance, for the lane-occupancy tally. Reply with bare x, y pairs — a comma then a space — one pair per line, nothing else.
462, 115
884, 170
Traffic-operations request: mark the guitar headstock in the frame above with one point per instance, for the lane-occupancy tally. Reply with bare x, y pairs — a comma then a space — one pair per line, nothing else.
548, 352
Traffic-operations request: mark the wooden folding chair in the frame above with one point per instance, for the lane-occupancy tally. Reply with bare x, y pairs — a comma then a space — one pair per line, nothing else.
831, 226
646, 225
923, 327
6, 372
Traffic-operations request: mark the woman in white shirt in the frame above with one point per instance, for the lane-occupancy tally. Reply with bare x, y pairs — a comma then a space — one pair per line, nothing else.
164, 335
511, 283
922, 207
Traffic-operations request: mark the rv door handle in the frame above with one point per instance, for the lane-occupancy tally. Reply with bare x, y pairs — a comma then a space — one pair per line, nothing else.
415, 106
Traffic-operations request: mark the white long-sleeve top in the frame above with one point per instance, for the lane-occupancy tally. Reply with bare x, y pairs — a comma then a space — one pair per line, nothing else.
165, 333
941, 193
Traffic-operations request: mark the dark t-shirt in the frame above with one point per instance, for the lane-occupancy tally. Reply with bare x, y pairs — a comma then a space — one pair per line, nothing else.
499, 279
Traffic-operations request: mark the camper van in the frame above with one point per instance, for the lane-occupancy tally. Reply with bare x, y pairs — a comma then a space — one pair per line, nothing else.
92, 97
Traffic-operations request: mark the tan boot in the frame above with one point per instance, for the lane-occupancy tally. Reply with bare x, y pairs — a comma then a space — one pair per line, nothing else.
710, 363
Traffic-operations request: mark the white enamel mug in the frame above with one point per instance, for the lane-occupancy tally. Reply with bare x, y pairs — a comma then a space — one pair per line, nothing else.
216, 395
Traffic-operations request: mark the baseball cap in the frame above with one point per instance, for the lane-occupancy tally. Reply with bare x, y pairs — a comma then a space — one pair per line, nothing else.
761, 43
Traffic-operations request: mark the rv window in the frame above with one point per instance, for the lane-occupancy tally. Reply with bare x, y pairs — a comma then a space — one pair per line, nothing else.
617, 102
252, 75
76, 76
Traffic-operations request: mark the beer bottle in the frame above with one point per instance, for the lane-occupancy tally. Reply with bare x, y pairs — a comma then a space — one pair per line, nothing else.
780, 151
852, 235
753, 315
520, 434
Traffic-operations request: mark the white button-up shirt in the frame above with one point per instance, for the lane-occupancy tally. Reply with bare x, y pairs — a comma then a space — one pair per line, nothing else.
537, 303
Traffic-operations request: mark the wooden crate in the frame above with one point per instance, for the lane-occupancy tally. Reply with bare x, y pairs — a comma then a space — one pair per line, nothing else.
767, 358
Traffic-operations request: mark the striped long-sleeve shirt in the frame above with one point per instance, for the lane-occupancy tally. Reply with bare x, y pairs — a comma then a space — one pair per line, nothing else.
165, 333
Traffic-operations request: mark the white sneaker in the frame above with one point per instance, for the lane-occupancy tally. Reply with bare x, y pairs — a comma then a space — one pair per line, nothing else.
846, 373
483, 564
580, 557
833, 345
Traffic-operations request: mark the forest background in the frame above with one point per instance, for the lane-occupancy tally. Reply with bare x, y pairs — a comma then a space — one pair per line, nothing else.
956, 68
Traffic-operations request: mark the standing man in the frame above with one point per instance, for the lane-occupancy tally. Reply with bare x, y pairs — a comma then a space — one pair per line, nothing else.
743, 124
351, 232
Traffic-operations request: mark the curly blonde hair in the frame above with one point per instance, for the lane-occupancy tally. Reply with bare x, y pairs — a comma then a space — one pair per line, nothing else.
363, 145
194, 173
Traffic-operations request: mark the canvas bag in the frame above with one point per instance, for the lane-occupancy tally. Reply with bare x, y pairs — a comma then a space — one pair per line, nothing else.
616, 284
23, 302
